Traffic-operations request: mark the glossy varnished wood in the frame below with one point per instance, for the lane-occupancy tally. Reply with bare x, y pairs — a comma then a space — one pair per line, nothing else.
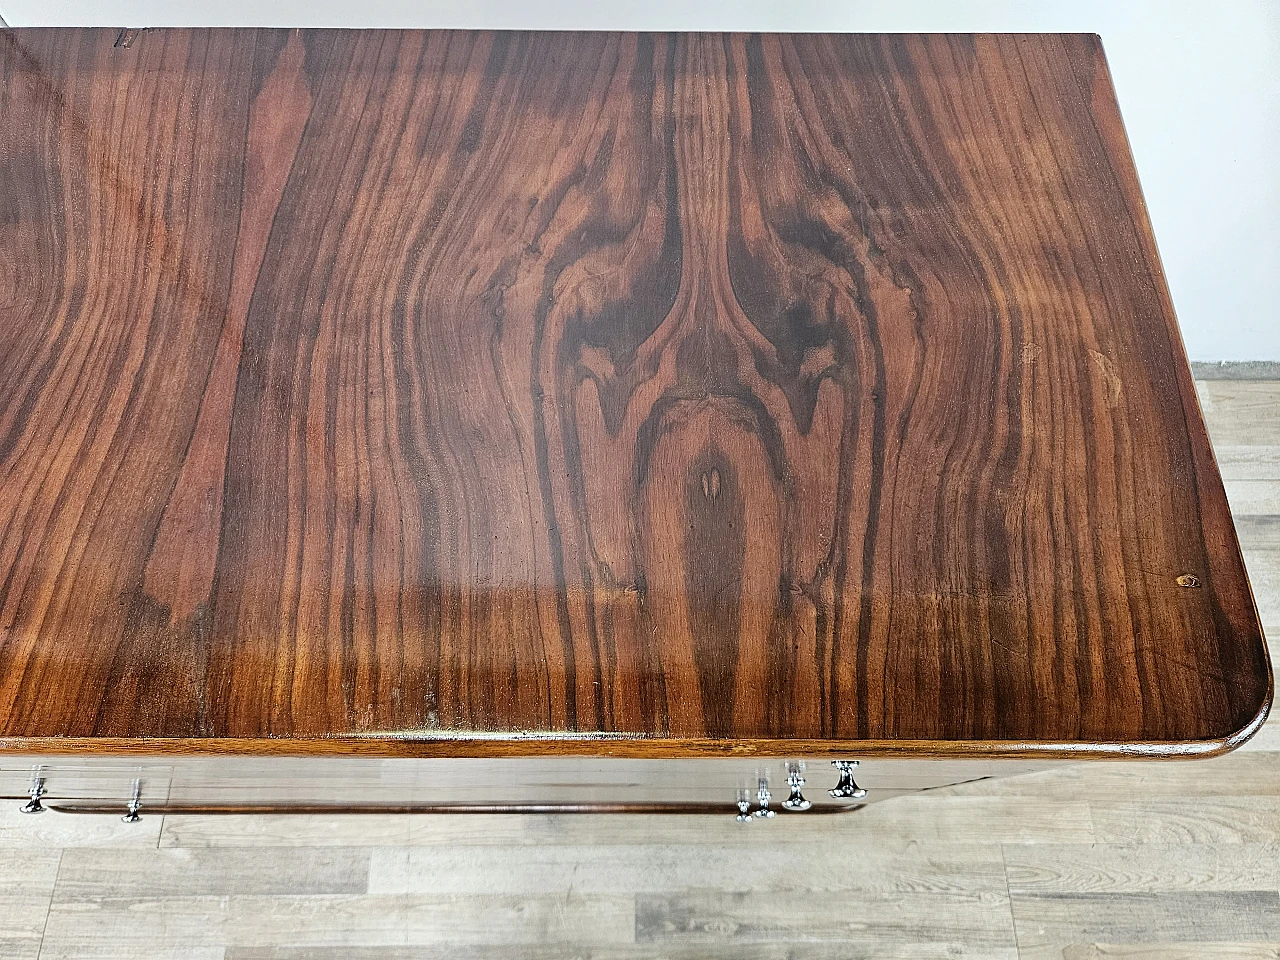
460, 392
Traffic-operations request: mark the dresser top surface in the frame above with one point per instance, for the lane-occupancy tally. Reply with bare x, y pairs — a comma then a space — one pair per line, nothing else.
490, 393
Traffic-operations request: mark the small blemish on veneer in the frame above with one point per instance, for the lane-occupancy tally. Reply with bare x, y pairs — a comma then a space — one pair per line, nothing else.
711, 484
1187, 580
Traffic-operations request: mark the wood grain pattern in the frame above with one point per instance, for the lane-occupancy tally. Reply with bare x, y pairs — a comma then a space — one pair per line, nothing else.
980, 919
155, 873
1124, 917
343, 919
597, 392
1064, 831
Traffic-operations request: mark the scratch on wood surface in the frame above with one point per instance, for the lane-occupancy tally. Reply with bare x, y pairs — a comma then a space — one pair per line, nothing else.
1110, 379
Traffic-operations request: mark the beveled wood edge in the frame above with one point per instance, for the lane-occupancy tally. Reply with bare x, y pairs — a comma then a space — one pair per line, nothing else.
1107, 114
413, 745
630, 746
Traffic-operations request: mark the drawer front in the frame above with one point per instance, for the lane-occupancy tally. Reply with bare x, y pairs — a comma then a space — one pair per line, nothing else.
285, 782
86, 779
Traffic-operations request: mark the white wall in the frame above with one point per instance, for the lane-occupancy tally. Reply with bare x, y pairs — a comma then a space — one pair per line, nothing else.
1199, 84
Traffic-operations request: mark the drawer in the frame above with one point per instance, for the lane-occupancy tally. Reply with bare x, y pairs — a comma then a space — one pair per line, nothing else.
284, 783
89, 779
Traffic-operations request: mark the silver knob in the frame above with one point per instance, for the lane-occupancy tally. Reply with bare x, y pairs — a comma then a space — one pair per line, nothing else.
846, 789
37, 791
132, 814
763, 795
744, 807
795, 782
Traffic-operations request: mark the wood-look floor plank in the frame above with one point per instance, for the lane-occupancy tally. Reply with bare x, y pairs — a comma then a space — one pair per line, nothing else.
1239, 412
53, 830
1240, 461
26, 883
19, 949
1264, 576
1221, 820
1259, 532
1250, 771
729, 950
1265, 740
1252, 497
929, 817
816, 866
1173, 951
1141, 868
1245, 429
353, 830
1236, 774
126, 950
1047, 923
1058, 786
339, 920
224, 871
746, 915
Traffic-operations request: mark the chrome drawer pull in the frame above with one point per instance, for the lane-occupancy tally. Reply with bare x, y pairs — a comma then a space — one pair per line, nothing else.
34, 805
763, 795
795, 781
135, 804
847, 788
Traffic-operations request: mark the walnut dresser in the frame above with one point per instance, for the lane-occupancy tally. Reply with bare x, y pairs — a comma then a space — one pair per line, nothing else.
445, 421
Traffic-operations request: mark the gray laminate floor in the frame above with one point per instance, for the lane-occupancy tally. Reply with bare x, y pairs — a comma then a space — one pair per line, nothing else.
1111, 860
